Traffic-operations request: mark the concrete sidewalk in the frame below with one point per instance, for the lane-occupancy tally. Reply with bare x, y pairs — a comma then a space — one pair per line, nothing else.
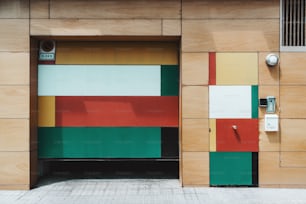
136, 191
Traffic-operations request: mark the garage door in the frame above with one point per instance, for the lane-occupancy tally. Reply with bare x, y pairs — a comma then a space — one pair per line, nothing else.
109, 100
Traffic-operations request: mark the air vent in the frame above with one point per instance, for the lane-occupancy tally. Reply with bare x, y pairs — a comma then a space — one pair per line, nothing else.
293, 23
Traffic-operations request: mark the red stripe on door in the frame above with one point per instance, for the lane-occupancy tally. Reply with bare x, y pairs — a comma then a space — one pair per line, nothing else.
137, 111
212, 68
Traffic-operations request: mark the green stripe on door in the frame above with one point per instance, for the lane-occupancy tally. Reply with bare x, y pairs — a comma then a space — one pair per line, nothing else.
230, 168
254, 101
170, 80
99, 142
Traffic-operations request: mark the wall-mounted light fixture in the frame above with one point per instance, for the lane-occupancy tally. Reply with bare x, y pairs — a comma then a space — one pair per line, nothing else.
272, 60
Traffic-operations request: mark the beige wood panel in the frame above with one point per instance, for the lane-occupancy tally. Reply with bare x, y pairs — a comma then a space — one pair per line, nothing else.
237, 9
269, 168
75, 27
270, 171
15, 168
263, 92
14, 68
267, 75
14, 35
14, 9
115, 9
292, 101
14, 187
293, 159
14, 101
39, 9
195, 135
230, 35
117, 53
195, 68
195, 102
268, 141
14, 135
293, 70
171, 27
293, 135
195, 168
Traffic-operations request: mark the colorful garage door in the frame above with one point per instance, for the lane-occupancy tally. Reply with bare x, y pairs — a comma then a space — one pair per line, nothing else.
109, 100
233, 113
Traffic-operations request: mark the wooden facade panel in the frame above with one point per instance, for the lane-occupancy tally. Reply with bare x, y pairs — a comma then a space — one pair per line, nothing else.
267, 75
293, 159
292, 101
171, 27
76, 27
14, 35
195, 68
14, 9
14, 135
195, 135
293, 135
195, 167
115, 9
145, 53
265, 91
195, 102
293, 70
39, 9
228, 65
230, 35
15, 168
270, 171
238, 9
14, 68
14, 187
268, 141
14, 102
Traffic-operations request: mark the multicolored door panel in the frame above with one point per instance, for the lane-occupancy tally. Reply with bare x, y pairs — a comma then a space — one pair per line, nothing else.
233, 113
111, 109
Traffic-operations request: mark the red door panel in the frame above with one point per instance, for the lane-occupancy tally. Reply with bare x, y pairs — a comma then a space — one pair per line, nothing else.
122, 111
237, 135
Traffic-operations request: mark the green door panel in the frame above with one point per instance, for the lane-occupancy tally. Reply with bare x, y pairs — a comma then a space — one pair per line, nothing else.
99, 142
170, 80
230, 168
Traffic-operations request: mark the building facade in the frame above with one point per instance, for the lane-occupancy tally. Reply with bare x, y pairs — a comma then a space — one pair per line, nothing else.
217, 50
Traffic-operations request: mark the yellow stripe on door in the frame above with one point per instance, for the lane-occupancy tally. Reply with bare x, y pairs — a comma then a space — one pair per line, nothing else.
145, 53
46, 111
212, 135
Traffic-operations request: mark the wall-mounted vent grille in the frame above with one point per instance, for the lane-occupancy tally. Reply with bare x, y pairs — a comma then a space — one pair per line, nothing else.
293, 23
